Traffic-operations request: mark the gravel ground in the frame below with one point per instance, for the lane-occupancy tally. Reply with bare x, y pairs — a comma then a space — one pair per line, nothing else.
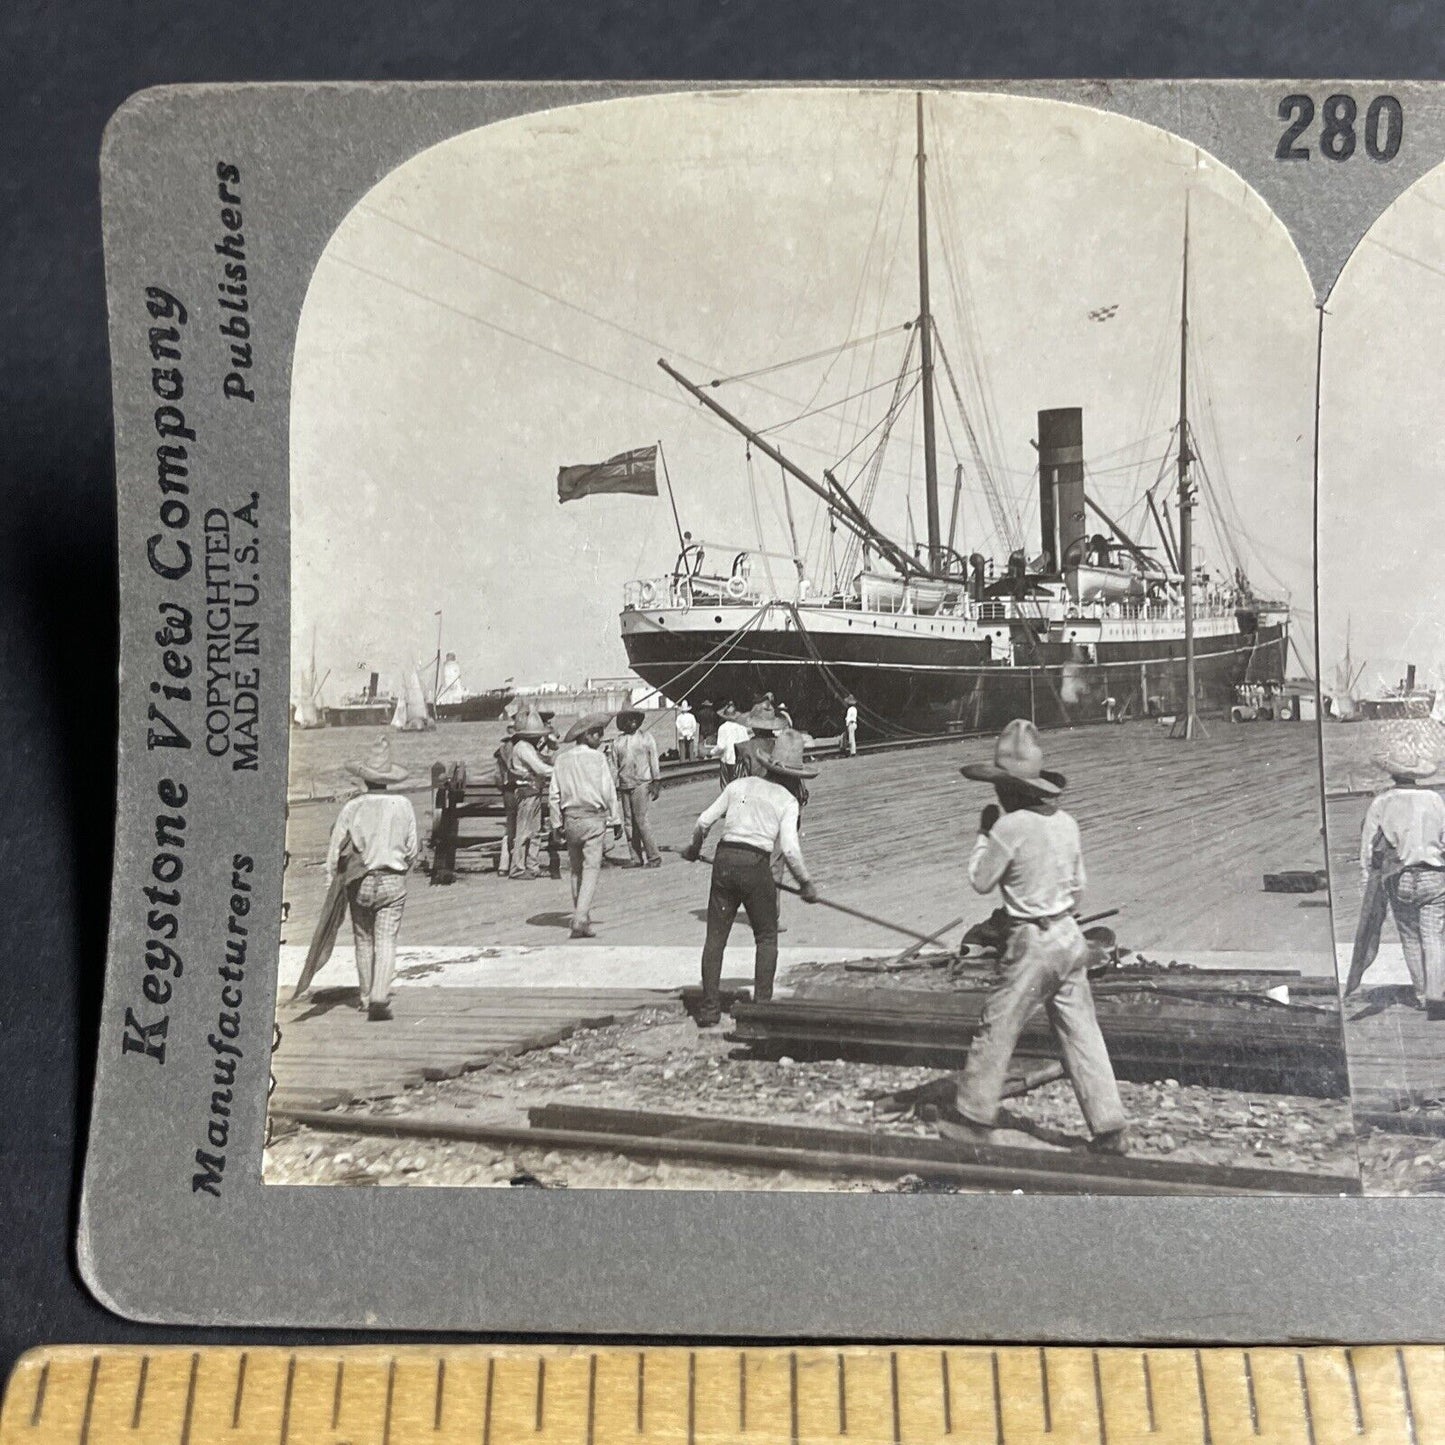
660, 1061
1402, 1163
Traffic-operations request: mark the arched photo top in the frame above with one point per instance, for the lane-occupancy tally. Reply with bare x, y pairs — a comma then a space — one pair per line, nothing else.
494, 309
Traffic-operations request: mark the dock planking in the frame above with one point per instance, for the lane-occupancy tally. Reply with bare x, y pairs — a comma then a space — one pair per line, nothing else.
1177, 836
329, 1053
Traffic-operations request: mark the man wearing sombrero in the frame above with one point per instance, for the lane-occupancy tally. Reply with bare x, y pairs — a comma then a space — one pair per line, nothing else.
1029, 849
759, 815
531, 773
583, 795
380, 828
1406, 824
639, 782
763, 723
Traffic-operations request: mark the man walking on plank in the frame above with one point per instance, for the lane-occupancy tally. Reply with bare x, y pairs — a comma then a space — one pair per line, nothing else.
583, 795
639, 781
379, 828
1405, 830
759, 815
1029, 849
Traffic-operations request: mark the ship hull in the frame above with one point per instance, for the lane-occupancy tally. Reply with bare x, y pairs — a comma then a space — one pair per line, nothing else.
358, 715
479, 707
929, 687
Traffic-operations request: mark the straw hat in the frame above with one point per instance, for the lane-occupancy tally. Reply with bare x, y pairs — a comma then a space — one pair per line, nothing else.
1018, 757
1404, 761
593, 722
629, 713
529, 723
784, 754
377, 766
763, 719
684, 706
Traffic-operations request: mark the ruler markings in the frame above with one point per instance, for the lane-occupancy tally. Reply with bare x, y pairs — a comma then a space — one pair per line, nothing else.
487, 1408
842, 1394
1304, 1395
591, 1397
436, 1419
286, 1402
1099, 1400
38, 1408
742, 1395
541, 1391
89, 1400
691, 1397
1205, 1429
190, 1401
793, 1395
240, 1391
1148, 1392
893, 1391
997, 1400
947, 1393
1355, 1391
1249, 1392
1044, 1391
641, 1376
336, 1393
1405, 1396
140, 1391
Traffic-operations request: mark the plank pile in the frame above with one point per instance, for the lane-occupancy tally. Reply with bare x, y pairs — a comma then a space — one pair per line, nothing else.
1223, 1039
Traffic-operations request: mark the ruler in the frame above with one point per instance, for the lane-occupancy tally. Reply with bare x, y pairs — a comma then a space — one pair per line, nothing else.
549, 1395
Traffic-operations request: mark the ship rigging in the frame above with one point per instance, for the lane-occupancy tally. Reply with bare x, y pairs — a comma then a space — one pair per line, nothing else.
1096, 625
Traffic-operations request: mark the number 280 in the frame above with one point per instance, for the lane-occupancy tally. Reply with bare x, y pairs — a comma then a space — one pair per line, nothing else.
1384, 127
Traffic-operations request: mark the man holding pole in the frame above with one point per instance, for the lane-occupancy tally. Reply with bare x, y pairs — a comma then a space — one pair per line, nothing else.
759, 815
1029, 849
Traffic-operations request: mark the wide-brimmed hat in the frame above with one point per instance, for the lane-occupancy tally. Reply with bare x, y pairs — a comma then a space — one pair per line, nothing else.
684, 706
1404, 761
377, 766
850, 700
728, 710
529, 723
784, 754
593, 722
1018, 757
763, 719
628, 713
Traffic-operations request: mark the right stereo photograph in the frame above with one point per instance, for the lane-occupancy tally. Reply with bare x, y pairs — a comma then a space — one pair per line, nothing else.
1382, 680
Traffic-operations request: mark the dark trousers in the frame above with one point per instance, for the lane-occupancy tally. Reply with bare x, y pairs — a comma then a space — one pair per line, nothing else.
741, 877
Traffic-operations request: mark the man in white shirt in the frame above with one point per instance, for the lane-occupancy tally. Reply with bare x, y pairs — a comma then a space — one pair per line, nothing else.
583, 794
639, 782
1410, 821
685, 726
379, 828
850, 724
759, 815
1029, 849
730, 733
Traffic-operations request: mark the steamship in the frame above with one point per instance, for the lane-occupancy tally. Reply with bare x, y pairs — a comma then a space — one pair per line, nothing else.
1095, 625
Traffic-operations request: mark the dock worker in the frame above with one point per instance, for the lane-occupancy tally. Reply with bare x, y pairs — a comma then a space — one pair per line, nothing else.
730, 733
1406, 825
850, 725
508, 783
707, 724
759, 815
583, 794
685, 726
531, 774
378, 827
639, 782
1029, 848
763, 724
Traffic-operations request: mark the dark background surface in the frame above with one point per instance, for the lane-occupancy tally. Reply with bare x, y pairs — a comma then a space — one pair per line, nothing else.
63, 69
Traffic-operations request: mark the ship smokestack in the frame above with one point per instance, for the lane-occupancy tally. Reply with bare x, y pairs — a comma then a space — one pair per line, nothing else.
1061, 485
1409, 677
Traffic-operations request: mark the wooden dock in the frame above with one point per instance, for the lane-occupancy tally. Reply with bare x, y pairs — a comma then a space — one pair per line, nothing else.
1177, 836
329, 1054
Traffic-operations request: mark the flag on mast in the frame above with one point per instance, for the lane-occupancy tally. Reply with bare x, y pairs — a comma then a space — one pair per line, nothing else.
634, 471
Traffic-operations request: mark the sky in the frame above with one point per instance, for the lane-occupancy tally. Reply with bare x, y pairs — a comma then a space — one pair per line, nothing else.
1382, 398
495, 308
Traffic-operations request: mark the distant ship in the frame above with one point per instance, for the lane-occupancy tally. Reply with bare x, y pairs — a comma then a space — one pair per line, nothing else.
455, 704
1404, 700
368, 708
1092, 626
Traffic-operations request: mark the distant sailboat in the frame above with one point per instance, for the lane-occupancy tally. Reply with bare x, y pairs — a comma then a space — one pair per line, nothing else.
306, 713
412, 714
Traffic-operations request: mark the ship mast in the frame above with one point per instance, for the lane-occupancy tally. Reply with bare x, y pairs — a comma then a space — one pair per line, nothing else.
925, 323
1188, 725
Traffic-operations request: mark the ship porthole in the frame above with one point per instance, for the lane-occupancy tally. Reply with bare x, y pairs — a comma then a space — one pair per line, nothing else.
718, 618
662, 622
